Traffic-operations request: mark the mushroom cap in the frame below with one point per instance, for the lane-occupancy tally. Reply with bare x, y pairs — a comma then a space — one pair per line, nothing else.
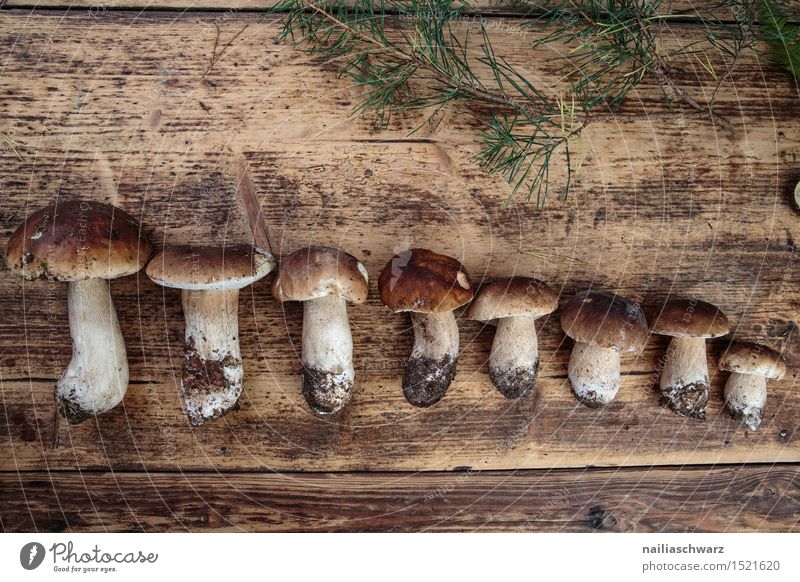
77, 240
422, 281
753, 359
314, 272
602, 319
691, 318
512, 297
208, 268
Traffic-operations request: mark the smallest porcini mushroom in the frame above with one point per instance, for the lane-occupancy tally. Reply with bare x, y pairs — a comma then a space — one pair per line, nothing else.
684, 378
210, 279
513, 305
429, 286
602, 325
746, 390
324, 279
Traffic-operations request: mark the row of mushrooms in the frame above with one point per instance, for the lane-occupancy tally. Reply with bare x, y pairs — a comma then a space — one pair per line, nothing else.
86, 243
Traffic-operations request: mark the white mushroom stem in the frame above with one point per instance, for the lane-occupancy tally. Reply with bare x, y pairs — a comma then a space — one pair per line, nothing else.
745, 397
594, 373
435, 335
212, 369
684, 379
97, 376
432, 364
514, 360
327, 354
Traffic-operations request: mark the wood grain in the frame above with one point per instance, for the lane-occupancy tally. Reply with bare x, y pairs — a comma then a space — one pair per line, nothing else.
721, 499
123, 108
488, 7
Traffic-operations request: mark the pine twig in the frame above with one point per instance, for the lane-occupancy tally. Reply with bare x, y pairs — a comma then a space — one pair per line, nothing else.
526, 126
782, 36
216, 56
660, 68
412, 58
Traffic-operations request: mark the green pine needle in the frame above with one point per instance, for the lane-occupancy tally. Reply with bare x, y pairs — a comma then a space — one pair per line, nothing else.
782, 36
404, 55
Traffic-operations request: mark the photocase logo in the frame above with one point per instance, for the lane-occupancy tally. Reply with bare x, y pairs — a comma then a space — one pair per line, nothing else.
31, 555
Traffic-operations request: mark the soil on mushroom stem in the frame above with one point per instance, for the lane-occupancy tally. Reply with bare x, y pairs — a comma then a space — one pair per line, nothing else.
426, 380
689, 400
589, 399
324, 391
72, 412
202, 376
515, 383
751, 417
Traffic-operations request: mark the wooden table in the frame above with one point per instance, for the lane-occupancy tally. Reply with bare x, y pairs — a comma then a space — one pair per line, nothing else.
118, 103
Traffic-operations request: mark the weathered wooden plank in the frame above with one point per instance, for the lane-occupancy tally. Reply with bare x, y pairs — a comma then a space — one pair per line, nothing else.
488, 7
691, 499
120, 108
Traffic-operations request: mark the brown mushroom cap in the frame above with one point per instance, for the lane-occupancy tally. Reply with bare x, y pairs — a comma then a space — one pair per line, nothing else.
207, 268
512, 297
753, 359
605, 320
314, 272
691, 318
425, 282
76, 240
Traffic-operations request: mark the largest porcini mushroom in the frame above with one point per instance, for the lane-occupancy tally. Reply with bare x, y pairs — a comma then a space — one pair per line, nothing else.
746, 389
210, 278
429, 286
513, 305
324, 279
84, 243
684, 377
602, 325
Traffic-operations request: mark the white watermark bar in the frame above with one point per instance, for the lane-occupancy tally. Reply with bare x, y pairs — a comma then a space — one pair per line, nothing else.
401, 557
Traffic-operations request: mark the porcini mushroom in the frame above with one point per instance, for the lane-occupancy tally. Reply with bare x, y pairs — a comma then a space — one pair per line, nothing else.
603, 326
684, 377
429, 286
513, 305
210, 278
750, 365
84, 243
324, 279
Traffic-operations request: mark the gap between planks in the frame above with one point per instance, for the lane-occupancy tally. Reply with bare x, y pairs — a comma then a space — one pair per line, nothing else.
431, 473
681, 9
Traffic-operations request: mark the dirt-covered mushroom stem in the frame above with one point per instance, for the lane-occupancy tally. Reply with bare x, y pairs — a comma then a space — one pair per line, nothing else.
684, 376
324, 279
328, 374
429, 286
603, 326
513, 304
432, 365
751, 365
96, 378
594, 373
514, 359
745, 398
84, 243
210, 278
212, 375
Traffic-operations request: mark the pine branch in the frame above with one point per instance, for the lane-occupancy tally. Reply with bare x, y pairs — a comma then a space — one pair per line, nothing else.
415, 61
738, 39
216, 55
782, 36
